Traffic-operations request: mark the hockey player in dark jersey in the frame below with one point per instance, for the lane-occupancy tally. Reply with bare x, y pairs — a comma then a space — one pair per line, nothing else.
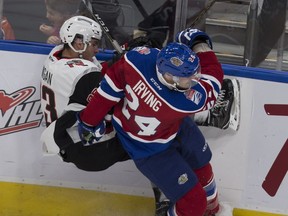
70, 75
153, 92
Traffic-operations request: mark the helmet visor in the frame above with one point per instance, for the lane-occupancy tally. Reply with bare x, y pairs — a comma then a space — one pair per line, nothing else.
183, 84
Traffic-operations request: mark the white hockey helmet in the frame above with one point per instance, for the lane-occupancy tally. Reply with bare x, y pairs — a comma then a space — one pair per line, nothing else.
81, 26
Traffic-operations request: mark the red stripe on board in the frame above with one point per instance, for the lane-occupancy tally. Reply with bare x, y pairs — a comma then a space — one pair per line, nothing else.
277, 172
276, 109
17, 128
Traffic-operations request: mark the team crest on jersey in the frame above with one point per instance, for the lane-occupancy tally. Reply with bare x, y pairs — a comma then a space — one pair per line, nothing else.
77, 62
194, 96
183, 179
176, 61
142, 50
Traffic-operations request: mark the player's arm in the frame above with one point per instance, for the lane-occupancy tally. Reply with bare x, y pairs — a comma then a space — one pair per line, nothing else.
61, 136
201, 44
211, 70
84, 88
108, 94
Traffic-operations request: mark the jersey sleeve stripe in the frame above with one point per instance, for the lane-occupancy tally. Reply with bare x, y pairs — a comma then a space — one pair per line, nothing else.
215, 82
214, 87
107, 96
111, 84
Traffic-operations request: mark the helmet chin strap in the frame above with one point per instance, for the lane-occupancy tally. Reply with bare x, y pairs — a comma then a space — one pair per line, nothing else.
173, 86
162, 80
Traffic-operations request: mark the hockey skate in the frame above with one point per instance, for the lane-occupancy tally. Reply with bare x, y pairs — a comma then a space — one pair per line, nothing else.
226, 111
162, 208
162, 204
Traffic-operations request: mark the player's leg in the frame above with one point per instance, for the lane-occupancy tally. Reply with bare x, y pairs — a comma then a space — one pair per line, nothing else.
204, 174
177, 180
197, 153
226, 112
206, 178
96, 157
162, 203
90, 158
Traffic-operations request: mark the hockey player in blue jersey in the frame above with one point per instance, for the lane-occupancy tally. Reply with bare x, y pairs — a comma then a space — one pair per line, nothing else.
153, 94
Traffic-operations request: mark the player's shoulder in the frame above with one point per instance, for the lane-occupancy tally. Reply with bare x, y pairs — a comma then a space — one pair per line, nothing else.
73, 64
52, 57
80, 64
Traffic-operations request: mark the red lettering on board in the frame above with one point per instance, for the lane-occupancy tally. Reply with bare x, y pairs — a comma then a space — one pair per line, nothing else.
279, 167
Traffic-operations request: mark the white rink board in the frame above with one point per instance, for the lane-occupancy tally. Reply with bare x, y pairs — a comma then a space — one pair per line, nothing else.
241, 159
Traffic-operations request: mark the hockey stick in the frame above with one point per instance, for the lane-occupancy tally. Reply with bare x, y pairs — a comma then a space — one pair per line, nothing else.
203, 12
104, 28
207, 8
141, 8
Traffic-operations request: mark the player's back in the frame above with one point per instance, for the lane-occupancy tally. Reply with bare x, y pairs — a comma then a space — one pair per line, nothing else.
59, 78
150, 112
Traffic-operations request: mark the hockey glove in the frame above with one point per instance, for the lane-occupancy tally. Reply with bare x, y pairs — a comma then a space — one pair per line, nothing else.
88, 134
191, 37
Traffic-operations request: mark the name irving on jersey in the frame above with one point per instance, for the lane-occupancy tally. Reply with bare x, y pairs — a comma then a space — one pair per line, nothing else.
143, 92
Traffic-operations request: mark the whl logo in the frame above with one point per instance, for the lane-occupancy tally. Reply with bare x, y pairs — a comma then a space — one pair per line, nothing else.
17, 113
